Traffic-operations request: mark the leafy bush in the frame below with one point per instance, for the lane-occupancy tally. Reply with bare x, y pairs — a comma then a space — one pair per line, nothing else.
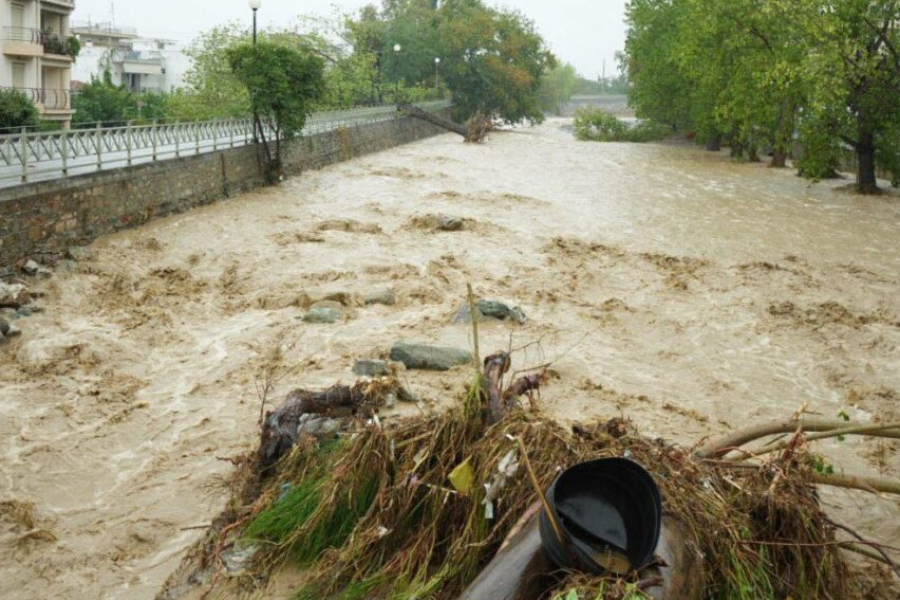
597, 125
16, 110
101, 101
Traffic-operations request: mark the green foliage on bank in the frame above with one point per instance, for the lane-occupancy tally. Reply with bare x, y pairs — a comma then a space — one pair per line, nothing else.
765, 74
491, 60
16, 111
597, 125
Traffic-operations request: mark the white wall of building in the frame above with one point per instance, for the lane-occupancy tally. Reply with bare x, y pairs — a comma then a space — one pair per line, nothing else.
137, 65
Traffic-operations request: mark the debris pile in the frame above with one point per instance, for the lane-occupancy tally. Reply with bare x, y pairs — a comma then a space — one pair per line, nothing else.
419, 507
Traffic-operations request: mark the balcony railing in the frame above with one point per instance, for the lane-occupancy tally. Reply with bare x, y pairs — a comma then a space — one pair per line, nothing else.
23, 34
50, 99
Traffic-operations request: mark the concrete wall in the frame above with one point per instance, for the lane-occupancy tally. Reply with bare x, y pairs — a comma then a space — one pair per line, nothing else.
42, 220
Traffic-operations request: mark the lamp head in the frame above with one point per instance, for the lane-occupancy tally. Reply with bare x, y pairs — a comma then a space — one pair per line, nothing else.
397, 48
254, 4
437, 61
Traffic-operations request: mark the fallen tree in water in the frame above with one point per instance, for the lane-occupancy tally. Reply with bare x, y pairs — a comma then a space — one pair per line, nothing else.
438, 507
475, 130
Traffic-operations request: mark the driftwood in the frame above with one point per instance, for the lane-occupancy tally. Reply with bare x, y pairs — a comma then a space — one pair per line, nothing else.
501, 401
721, 446
280, 428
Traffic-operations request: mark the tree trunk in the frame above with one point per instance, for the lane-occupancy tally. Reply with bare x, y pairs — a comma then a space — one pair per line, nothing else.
447, 124
779, 158
714, 144
783, 137
866, 180
753, 153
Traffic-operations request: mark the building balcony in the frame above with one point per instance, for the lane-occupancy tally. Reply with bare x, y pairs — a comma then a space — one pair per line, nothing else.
22, 41
70, 4
48, 100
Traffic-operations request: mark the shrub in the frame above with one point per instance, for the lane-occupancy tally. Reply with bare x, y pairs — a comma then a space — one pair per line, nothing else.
597, 125
17, 110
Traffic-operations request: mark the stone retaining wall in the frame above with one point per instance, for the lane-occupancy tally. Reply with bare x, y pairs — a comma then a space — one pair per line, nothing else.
41, 220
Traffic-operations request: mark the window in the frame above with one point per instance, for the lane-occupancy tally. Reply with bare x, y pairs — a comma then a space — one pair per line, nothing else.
17, 19
18, 75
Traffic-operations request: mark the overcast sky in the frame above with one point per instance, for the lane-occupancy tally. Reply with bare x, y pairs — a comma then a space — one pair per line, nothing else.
582, 32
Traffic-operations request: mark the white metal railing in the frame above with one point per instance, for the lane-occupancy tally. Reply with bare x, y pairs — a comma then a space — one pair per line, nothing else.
29, 156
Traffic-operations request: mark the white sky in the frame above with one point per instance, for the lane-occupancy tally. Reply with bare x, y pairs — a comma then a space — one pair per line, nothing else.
582, 32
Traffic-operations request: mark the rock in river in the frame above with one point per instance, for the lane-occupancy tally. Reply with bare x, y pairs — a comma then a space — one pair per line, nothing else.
371, 368
490, 310
326, 315
13, 295
429, 358
4, 327
384, 296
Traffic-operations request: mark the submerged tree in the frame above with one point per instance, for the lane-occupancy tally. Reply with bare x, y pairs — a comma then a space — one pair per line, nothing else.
283, 85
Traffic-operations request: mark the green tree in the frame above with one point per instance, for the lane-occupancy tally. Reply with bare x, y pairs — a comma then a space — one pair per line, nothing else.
211, 89
856, 80
103, 102
17, 111
493, 61
283, 85
557, 87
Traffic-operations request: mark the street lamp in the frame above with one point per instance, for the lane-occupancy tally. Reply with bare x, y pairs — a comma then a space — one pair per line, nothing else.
257, 126
254, 6
437, 64
397, 49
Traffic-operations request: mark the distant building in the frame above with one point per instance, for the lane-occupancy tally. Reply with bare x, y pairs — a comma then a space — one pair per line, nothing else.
36, 55
140, 64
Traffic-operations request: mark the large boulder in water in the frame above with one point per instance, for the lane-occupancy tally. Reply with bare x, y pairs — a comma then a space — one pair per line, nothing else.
429, 358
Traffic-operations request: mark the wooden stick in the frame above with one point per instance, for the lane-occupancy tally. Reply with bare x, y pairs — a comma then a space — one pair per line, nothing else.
473, 310
853, 430
719, 447
557, 528
866, 484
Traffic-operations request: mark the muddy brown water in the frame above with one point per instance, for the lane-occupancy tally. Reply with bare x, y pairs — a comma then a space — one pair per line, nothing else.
690, 294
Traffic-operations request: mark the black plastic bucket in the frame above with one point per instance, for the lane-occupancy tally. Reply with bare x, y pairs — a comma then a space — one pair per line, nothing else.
602, 505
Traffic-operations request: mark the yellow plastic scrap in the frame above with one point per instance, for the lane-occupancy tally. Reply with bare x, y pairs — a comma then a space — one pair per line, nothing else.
463, 477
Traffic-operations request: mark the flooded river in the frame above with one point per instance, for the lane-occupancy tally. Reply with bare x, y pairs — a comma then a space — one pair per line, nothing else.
664, 283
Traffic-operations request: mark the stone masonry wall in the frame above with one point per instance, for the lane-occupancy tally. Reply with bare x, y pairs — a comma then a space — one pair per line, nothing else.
41, 220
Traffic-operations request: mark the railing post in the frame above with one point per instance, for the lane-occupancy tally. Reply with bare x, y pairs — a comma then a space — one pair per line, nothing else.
177, 139
215, 128
231, 125
65, 152
153, 139
97, 138
128, 140
196, 138
23, 151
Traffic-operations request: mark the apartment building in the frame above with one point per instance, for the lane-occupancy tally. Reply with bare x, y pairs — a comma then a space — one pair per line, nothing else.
37, 55
140, 64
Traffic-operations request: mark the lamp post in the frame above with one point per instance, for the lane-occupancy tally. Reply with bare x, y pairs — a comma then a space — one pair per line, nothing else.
257, 126
254, 6
437, 65
397, 49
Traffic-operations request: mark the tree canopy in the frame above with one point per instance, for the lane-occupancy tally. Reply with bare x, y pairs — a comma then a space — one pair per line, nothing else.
490, 60
283, 85
762, 73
